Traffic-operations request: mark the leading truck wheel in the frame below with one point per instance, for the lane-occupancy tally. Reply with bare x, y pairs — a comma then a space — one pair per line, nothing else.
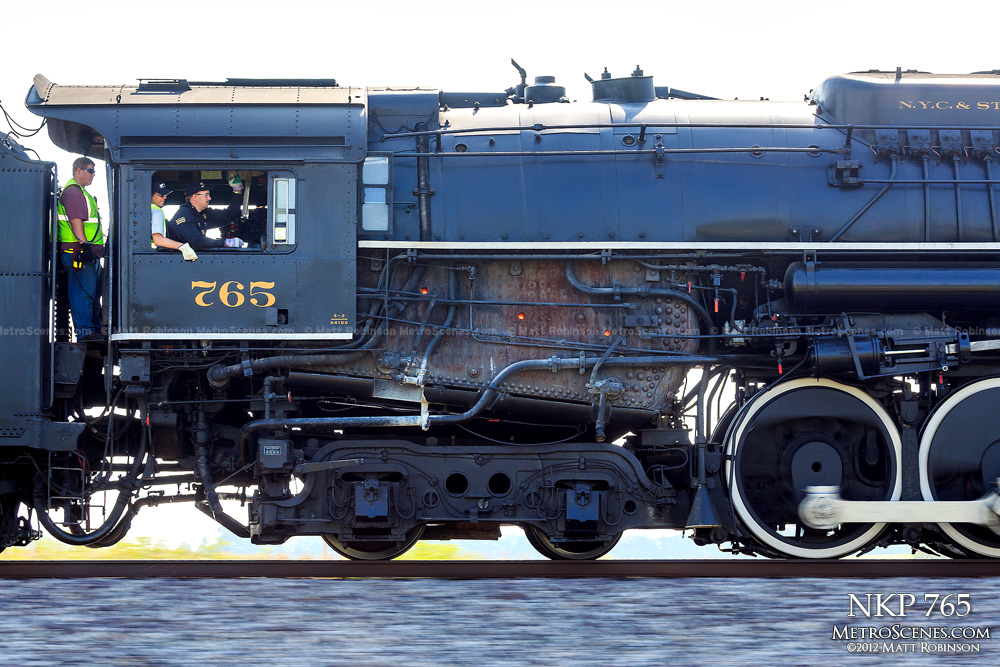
960, 458
568, 550
375, 549
810, 432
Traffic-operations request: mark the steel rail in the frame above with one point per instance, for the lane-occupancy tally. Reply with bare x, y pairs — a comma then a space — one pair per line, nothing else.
403, 569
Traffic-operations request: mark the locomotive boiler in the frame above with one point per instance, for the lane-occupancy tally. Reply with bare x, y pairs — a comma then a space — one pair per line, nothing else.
773, 325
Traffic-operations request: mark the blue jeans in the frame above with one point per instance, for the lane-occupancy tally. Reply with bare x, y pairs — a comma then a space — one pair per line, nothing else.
83, 286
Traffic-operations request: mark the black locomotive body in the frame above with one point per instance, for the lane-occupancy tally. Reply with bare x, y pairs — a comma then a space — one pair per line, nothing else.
772, 324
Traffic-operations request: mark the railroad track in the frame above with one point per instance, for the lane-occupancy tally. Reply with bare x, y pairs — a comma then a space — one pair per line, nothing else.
227, 569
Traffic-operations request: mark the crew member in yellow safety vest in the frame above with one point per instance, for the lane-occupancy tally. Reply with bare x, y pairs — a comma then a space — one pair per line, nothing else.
81, 247
158, 223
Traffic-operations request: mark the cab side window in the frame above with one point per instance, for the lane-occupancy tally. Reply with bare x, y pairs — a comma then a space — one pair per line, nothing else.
263, 217
283, 214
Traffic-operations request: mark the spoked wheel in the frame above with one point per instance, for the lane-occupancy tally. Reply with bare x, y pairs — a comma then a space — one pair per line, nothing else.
810, 432
570, 550
960, 458
374, 550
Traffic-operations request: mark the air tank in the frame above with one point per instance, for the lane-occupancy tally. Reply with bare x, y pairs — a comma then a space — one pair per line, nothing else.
891, 286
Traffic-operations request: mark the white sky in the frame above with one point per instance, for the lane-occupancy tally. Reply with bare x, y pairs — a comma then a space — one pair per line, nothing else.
778, 49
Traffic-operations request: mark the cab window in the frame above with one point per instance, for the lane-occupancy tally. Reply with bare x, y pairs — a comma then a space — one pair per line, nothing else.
266, 214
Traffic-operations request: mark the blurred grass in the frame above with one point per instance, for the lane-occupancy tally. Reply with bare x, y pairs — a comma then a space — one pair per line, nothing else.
223, 548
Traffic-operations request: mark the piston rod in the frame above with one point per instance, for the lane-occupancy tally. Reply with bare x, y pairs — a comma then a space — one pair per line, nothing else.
824, 509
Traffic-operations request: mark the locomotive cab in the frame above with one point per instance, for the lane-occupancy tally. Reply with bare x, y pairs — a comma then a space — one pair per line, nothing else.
300, 146
297, 238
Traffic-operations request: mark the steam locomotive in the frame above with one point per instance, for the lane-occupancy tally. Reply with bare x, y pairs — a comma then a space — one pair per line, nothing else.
773, 325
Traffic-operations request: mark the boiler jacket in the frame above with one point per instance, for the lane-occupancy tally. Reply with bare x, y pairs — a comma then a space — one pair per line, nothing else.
189, 226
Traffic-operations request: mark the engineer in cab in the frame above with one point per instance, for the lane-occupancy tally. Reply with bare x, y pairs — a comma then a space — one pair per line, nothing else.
194, 217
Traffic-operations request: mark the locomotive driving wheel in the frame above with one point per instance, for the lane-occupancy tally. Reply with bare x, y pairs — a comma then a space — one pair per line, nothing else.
960, 458
810, 432
374, 549
570, 549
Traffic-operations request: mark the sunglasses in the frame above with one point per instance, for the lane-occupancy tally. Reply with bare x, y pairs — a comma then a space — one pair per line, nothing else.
92, 171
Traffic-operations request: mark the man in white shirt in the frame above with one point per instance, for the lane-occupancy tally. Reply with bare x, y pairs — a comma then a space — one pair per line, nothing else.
158, 223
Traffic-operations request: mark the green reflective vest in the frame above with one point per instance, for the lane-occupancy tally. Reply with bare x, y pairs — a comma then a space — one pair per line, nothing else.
91, 227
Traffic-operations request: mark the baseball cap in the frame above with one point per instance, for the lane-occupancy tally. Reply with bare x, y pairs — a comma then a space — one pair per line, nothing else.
194, 188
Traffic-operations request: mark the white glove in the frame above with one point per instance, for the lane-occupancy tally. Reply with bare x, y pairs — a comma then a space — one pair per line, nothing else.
189, 254
235, 242
235, 181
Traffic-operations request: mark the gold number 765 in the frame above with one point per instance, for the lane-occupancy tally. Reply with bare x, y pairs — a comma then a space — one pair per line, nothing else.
231, 293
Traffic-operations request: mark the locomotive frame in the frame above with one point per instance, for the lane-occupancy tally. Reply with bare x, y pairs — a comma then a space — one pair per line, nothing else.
454, 303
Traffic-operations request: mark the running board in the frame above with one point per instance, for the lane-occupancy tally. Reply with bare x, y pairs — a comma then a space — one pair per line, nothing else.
824, 509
